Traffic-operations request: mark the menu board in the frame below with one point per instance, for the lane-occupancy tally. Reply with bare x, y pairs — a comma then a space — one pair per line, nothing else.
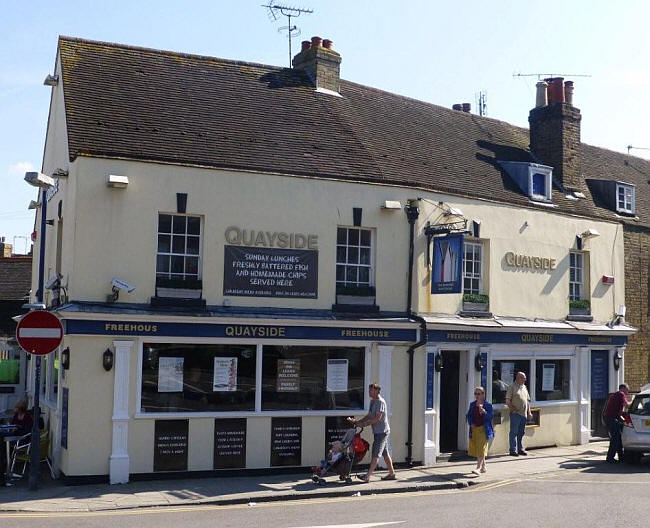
286, 441
337, 375
170, 445
335, 429
229, 443
65, 398
288, 375
170, 374
508, 372
225, 374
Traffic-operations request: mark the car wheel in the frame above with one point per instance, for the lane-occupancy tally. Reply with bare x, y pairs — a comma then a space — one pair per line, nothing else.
632, 457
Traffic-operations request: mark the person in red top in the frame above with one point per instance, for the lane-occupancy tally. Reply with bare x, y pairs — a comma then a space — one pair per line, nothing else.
616, 404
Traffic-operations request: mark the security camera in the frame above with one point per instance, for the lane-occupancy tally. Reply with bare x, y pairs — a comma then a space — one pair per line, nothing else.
121, 285
53, 282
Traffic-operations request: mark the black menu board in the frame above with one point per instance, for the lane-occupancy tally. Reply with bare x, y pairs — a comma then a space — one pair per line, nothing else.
65, 398
286, 441
335, 428
229, 443
170, 448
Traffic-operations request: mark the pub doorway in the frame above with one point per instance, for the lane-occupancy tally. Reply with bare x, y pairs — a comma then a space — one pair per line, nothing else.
449, 396
599, 390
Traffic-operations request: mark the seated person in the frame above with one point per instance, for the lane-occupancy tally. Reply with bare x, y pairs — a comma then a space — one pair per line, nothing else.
333, 456
22, 418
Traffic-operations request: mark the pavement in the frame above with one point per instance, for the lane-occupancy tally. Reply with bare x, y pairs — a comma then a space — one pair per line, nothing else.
53, 496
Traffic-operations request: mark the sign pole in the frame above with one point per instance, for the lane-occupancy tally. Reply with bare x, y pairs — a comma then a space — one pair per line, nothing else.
35, 447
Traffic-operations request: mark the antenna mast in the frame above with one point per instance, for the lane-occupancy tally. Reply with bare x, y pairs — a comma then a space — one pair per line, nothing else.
546, 75
481, 102
630, 147
288, 11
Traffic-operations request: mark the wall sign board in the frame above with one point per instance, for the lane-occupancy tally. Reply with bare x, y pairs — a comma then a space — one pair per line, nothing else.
65, 400
229, 443
286, 441
270, 272
170, 445
447, 276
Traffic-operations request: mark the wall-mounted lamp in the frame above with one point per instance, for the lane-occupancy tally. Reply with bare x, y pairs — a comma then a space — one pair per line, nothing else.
117, 182
479, 364
437, 363
391, 205
107, 359
38, 179
65, 358
617, 360
589, 233
51, 80
60, 173
33, 205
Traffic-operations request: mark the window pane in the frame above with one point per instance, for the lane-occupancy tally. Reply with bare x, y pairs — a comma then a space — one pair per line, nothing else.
353, 255
10, 367
539, 184
177, 264
164, 223
179, 223
503, 375
340, 254
341, 236
295, 378
364, 256
178, 244
365, 238
192, 265
353, 237
193, 225
350, 274
162, 264
193, 245
164, 243
553, 379
340, 273
194, 377
364, 275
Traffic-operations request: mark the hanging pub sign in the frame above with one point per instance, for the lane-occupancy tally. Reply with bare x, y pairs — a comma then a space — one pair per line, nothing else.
229, 443
286, 441
447, 273
170, 445
270, 272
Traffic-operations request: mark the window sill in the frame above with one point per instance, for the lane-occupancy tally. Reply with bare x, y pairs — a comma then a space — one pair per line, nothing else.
178, 293
246, 414
178, 302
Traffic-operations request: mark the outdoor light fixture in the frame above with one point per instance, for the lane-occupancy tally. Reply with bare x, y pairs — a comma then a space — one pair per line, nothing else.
438, 362
589, 233
117, 182
617, 360
51, 80
391, 205
38, 179
479, 364
60, 173
33, 204
65, 358
107, 359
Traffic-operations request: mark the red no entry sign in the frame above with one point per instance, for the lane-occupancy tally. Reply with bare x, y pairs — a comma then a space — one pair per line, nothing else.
39, 332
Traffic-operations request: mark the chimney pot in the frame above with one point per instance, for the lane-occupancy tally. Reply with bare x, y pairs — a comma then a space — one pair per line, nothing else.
327, 43
306, 44
568, 92
316, 42
457, 107
542, 94
467, 107
555, 90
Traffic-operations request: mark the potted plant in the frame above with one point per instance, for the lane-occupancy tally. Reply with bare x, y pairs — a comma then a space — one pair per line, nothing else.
579, 307
363, 295
475, 302
178, 288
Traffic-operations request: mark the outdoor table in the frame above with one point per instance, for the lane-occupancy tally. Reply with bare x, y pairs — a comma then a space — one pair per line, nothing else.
8, 435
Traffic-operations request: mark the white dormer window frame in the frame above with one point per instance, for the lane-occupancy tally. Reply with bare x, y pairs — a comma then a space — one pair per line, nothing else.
533, 193
625, 198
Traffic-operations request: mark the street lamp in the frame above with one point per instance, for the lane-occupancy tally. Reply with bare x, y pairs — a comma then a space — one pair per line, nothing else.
43, 183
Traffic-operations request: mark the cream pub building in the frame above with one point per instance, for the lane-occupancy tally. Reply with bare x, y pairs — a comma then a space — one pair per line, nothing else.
235, 265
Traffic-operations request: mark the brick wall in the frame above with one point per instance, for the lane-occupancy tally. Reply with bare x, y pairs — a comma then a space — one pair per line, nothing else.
637, 280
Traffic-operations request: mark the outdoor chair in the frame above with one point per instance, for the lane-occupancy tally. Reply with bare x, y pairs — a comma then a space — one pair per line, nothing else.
21, 453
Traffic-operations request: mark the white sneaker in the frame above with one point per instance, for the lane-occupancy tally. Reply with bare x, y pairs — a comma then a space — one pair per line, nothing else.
476, 472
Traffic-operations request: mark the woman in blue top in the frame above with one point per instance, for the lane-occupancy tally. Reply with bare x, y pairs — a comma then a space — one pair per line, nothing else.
479, 418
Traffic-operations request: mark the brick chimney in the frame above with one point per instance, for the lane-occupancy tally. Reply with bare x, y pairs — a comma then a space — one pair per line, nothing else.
555, 131
321, 63
6, 249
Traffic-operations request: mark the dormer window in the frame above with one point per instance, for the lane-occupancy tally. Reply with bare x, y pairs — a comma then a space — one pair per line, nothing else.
534, 179
539, 185
624, 198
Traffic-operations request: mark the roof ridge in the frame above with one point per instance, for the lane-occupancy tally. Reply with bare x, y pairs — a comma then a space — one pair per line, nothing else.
167, 52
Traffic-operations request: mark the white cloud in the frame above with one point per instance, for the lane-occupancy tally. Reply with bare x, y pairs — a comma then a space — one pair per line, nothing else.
19, 168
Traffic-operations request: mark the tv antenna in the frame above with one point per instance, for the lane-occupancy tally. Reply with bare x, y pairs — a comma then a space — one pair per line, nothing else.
290, 12
547, 75
630, 147
481, 102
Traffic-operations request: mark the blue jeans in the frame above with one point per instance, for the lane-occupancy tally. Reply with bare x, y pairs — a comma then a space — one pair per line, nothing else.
517, 428
615, 443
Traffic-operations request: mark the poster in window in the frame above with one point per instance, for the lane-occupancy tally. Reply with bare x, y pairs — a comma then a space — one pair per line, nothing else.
508, 372
288, 375
170, 445
270, 272
337, 375
335, 429
286, 441
170, 374
225, 374
229, 443
548, 376
447, 264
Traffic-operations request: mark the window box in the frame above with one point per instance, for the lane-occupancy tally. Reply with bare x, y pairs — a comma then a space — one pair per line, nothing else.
178, 288
579, 307
355, 296
475, 302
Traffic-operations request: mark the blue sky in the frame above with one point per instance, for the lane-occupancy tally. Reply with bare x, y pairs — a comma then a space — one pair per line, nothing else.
435, 51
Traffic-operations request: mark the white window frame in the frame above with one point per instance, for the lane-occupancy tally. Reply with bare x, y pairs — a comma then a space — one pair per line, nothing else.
185, 255
475, 244
547, 196
578, 285
627, 205
370, 266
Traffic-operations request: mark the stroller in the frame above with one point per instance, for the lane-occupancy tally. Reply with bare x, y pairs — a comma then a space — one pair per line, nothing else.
353, 449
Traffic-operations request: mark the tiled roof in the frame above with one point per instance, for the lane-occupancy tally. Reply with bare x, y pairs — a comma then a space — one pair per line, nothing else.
162, 106
15, 278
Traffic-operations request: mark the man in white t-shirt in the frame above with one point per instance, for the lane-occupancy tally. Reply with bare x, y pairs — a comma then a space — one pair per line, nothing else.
377, 417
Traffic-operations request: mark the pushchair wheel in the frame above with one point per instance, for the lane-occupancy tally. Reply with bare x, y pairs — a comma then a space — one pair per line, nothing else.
321, 481
348, 480
315, 479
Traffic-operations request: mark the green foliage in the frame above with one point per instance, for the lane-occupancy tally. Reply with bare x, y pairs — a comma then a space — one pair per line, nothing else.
479, 298
581, 304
